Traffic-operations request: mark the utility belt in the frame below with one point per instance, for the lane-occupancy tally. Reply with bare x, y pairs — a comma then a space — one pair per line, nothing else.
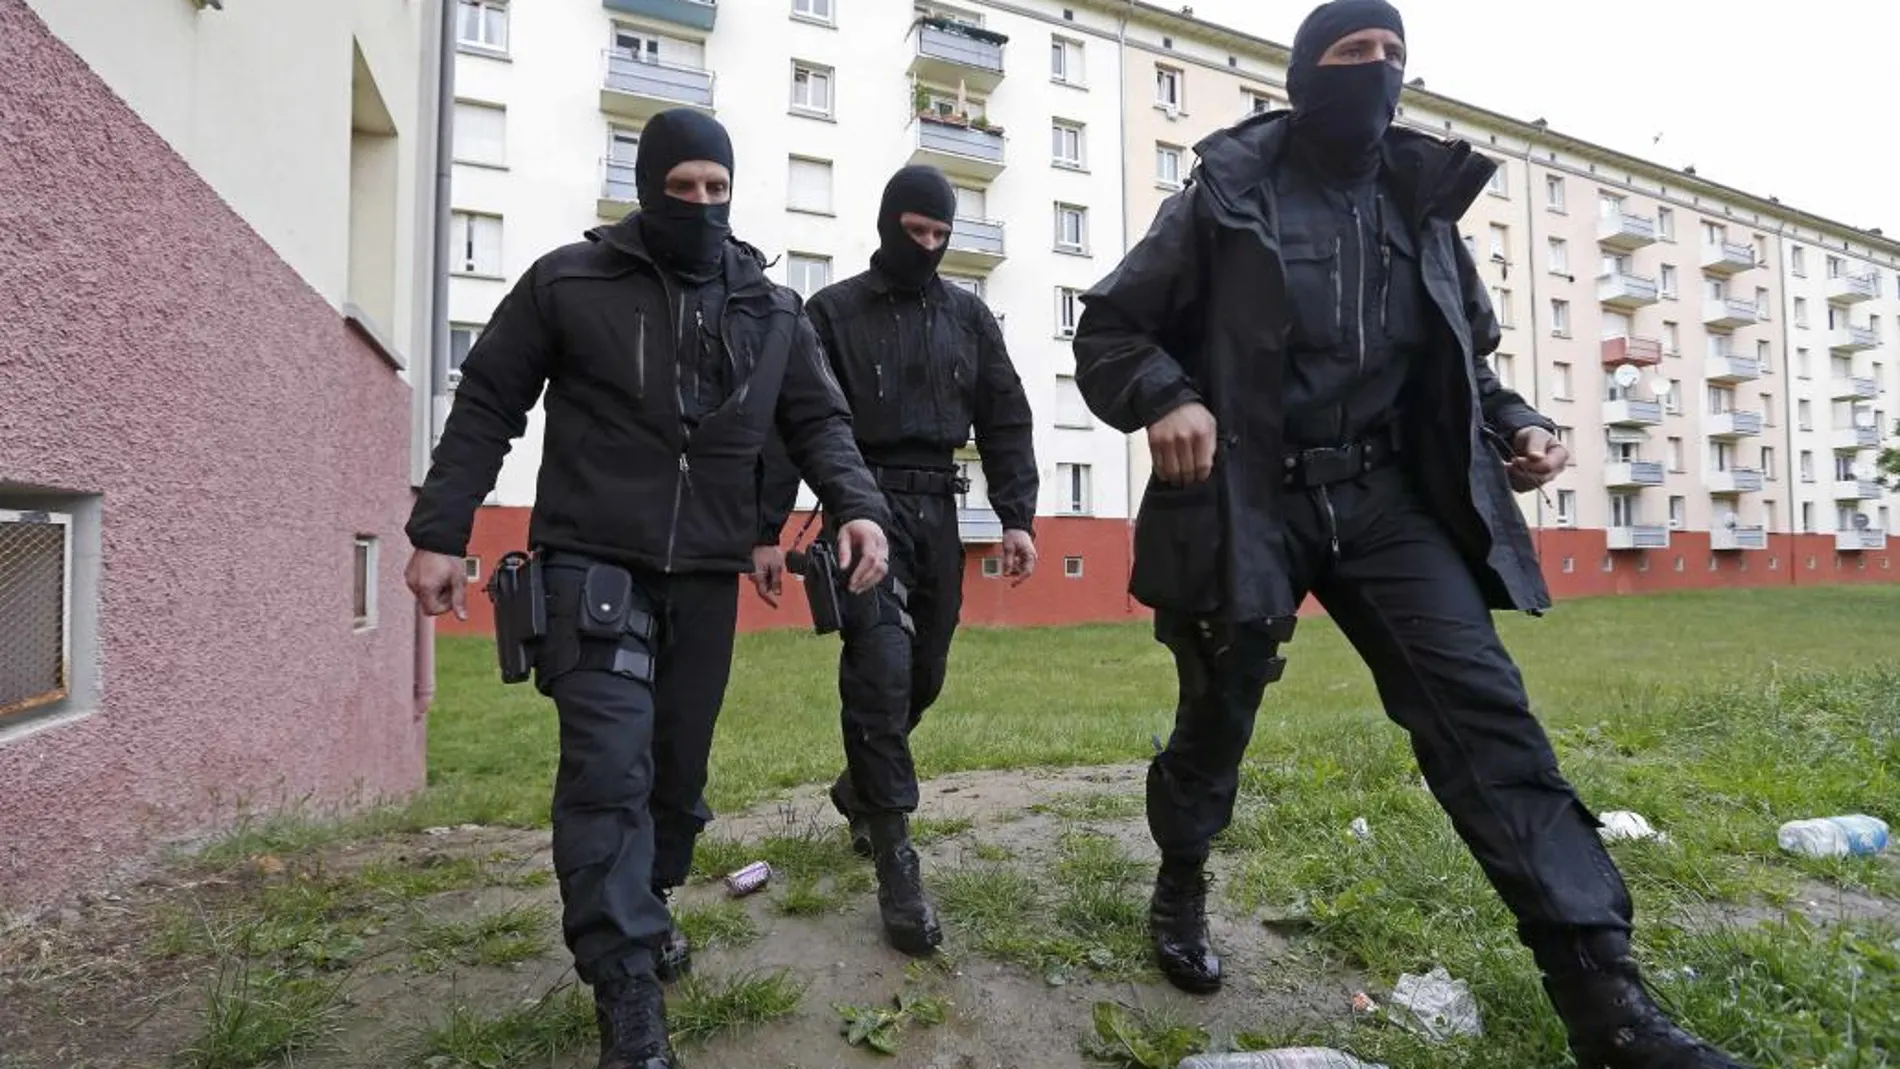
1339, 463
614, 622
920, 481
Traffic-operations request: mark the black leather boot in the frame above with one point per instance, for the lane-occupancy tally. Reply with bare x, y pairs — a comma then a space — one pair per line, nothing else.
910, 921
1177, 922
1614, 1024
631, 1014
860, 835
673, 956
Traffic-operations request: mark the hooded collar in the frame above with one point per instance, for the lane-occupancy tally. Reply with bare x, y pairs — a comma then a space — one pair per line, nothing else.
881, 283
743, 270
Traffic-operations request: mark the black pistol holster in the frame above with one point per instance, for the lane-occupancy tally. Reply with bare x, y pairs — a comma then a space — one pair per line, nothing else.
521, 613
818, 566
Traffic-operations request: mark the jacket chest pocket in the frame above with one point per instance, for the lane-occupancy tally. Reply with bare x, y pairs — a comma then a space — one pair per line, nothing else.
1404, 307
625, 340
1316, 292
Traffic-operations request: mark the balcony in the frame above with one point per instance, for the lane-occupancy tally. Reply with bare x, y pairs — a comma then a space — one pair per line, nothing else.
979, 526
1852, 289
951, 53
1853, 339
1626, 292
618, 193
1630, 412
1622, 474
636, 89
1856, 490
1734, 424
1726, 258
1730, 369
1732, 538
1859, 541
959, 149
1730, 313
1847, 439
975, 245
1854, 388
696, 14
1626, 233
1641, 536
1735, 481
1642, 352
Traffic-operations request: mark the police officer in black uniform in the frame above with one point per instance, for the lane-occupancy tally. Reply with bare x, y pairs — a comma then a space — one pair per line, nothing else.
668, 359
1301, 334
922, 362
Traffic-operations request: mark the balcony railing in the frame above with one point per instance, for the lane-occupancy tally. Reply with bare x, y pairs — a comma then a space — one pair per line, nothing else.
975, 244
1853, 339
1625, 232
1855, 388
979, 525
1846, 438
638, 89
1624, 473
1618, 290
1729, 368
959, 148
1860, 541
1735, 481
1734, 538
1731, 312
1639, 536
1640, 351
1734, 424
1727, 258
1846, 288
1856, 490
1630, 411
951, 53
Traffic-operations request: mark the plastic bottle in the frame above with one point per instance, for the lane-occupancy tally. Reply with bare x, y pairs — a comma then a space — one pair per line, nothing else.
1855, 833
1287, 1058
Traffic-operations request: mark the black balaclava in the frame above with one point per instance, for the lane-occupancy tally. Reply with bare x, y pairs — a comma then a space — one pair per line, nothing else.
689, 238
1341, 111
927, 192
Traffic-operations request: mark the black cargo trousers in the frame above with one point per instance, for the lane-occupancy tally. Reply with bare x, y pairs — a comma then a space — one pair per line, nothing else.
1399, 589
896, 647
637, 664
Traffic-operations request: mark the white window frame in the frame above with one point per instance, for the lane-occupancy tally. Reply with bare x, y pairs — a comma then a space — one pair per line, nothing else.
461, 144
1062, 132
1499, 184
646, 48
1077, 485
799, 264
1071, 67
813, 73
1559, 256
462, 253
1559, 317
1082, 418
1566, 508
809, 10
365, 560
483, 8
1666, 281
1080, 214
1500, 242
1555, 193
1501, 307
1666, 224
1164, 151
831, 187
1169, 83
1068, 310
1560, 385
1072, 567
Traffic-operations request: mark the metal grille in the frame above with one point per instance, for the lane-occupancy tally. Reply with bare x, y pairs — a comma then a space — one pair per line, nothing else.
33, 610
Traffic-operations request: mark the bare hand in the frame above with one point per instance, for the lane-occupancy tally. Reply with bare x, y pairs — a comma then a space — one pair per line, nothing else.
1182, 444
1540, 457
439, 581
861, 542
1019, 556
768, 573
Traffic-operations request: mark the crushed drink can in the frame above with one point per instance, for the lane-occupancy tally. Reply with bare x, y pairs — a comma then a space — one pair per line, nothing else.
748, 879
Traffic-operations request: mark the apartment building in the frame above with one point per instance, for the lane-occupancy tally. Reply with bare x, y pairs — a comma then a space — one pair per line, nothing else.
219, 326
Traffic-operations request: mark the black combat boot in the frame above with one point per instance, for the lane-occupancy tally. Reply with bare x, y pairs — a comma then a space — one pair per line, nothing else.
1614, 1024
1177, 922
910, 921
860, 834
631, 1014
673, 955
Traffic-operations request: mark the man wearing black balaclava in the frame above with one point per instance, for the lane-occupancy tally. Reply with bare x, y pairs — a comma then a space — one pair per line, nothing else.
669, 360
922, 362
1301, 334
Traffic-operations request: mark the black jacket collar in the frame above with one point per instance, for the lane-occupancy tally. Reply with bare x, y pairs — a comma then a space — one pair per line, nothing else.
744, 267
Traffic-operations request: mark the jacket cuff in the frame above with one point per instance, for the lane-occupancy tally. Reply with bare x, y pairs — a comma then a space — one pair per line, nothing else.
1015, 521
436, 544
1150, 411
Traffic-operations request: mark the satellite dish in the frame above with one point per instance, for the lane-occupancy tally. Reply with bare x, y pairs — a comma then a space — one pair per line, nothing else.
1730, 520
1626, 376
1661, 387
1860, 521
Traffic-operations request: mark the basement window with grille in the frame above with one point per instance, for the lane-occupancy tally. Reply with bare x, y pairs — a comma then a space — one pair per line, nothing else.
37, 600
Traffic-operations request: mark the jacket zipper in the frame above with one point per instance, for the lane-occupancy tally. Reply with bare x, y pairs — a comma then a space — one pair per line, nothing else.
679, 489
686, 439
1385, 268
1332, 520
1359, 289
640, 356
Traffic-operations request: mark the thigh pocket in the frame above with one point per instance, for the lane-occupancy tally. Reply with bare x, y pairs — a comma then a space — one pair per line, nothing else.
1178, 548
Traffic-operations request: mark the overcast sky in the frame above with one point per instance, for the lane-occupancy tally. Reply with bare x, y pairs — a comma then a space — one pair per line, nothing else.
1795, 101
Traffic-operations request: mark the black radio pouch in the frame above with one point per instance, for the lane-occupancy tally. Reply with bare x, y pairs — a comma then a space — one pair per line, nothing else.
613, 608
521, 613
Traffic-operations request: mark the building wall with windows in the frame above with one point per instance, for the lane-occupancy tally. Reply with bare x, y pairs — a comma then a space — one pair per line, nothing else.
204, 447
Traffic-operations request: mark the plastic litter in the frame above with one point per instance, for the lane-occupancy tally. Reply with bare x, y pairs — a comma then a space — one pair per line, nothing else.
1622, 824
1361, 829
1285, 1058
1855, 833
1444, 1006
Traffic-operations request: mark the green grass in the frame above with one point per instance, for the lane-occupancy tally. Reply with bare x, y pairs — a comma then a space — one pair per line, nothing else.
701, 1008
559, 1022
257, 1015
717, 924
508, 937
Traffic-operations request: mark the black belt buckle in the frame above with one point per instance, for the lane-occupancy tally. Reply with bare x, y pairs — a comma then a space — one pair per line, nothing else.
1320, 467
959, 484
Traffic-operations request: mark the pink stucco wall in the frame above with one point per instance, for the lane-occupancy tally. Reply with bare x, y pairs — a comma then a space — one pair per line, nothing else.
156, 352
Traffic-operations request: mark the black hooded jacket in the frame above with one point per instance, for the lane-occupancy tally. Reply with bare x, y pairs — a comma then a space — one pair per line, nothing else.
1196, 312
920, 370
624, 474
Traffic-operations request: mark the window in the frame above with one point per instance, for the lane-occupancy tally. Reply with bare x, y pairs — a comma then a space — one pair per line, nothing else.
1501, 306
1804, 414
472, 569
972, 203
1801, 312
1834, 265
1767, 409
475, 244
1803, 364
1764, 353
807, 274
1065, 61
462, 338
1798, 261
1768, 462
810, 186
1566, 508
1554, 192
1499, 186
1560, 317
1761, 301
815, 10
1471, 244
483, 24
811, 89
1500, 242
1721, 399
971, 286
1678, 511
1672, 401
992, 567
363, 594
1066, 147
1807, 465
1072, 228
1167, 88
1559, 256
1505, 368
1666, 224
1072, 480
1564, 437
1609, 205
1072, 567
480, 134
1807, 521
640, 45
1257, 102
1167, 166
623, 146
1623, 510
1672, 339
1836, 319
1068, 310
1675, 454
1560, 381
1666, 283
1071, 410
